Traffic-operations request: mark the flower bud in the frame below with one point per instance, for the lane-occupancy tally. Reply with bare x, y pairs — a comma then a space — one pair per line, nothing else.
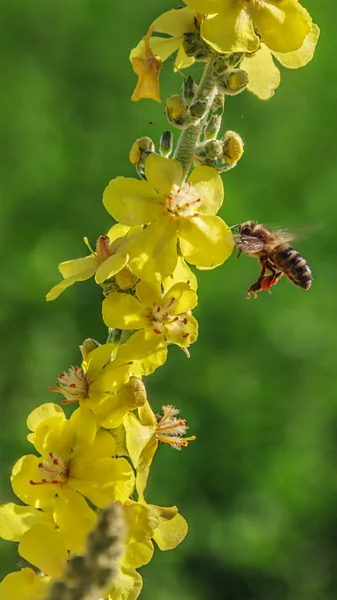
177, 111
220, 65
188, 89
88, 346
166, 143
212, 149
198, 109
232, 147
232, 82
141, 146
212, 127
194, 46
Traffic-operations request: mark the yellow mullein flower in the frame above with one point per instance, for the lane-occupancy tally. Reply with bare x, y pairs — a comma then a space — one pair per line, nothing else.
101, 384
24, 584
174, 23
166, 317
108, 259
147, 67
76, 461
175, 211
144, 431
238, 25
264, 77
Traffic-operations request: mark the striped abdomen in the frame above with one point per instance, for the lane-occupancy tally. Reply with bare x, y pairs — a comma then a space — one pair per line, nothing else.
293, 265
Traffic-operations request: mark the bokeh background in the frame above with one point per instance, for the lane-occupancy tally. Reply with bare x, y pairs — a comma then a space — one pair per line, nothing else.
259, 486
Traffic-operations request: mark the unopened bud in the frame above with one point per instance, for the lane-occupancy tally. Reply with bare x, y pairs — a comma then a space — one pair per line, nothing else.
88, 346
143, 145
166, 143
133, 393
232, 147
177, 111
194, 46
220, 65
198, 109
188, 89
211, 149
232, 82
213, 127
235, 58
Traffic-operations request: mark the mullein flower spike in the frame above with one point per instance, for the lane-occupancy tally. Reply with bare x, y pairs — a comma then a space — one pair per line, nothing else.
84, 524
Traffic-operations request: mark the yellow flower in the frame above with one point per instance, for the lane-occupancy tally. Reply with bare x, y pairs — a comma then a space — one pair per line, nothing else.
144, 431
238, 25
174, 23
175, 211
76, 461
147, 67
264, 76
108, 259
25, 585
101, 384
166, 317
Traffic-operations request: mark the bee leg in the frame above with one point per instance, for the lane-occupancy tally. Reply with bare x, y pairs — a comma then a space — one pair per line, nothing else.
257, 286
239, 253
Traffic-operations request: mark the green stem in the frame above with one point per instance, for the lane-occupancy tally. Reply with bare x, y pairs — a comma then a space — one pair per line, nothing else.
190, 136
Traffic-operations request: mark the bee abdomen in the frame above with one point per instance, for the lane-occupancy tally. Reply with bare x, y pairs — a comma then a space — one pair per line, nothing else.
293, 265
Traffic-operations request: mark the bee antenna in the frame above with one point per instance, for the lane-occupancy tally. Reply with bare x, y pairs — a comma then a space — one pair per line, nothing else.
235, 226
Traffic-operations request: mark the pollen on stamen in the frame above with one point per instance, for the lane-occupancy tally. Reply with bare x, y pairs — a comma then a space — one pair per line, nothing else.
72, 385
171, 430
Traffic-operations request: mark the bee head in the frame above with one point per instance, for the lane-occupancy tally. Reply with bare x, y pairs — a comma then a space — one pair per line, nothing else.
247, 228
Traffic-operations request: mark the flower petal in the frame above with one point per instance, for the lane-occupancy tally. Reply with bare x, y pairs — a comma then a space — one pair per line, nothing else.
43, 412
131, 201
146, 350
97, 359
264, 77
111, 411
175, 22
144, 466
117, 231
183, 61
162, 47
24, 584
123, 311
127, 585
209, 186
183, 297
183, 331
104, 480
110, 267
15, 520
163, 173
74, 518
182, 273
57, 290
205, 241
79, 267
301, 57
44, 548
137, 436
170, 533
231, 30
208, 6
26, 470
153, 252
282, 24
149, 293
113, 376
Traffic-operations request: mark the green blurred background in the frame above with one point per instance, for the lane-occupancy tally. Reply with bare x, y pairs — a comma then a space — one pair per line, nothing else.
259, 486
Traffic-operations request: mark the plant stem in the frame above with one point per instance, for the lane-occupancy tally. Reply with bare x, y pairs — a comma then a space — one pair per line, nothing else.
190, 136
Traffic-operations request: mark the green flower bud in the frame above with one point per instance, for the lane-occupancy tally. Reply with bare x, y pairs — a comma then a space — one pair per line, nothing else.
166, 143
143, 145
196, 47
198, 109
232, 82
212, 127
212, 149
188, 89
88, 346
177, 111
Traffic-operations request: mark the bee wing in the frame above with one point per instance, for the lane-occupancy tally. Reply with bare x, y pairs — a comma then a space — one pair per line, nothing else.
297, 233
249, 243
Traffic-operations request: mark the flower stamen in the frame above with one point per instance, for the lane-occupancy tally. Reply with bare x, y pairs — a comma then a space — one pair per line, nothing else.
71, 384
170, 429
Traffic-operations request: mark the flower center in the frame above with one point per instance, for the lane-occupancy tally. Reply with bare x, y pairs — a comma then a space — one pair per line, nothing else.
71, 384
171, 430
161, 315
183, 201
53, 470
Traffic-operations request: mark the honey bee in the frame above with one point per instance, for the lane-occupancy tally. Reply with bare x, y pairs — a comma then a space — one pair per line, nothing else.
275, 254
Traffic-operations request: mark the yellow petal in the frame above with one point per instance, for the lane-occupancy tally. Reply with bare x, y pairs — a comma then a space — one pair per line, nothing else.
104, 446
15, 520
146, 350
175, 22
97, 359
182, 335
282, 24
184, 298
263, 75
112, 410
170, 533
43, 412
79, 267
127, 585
160, 46
183, 61
163, 173
205, 241
63, 285
26, 470
231, 30
137, 436
208, 6
111, 380
131, 201
144, 466
24, 585
149, 293
138, 554
153, 253
182, 273
301, 57
209, 186
117, 231
147, 66
110, 267
123, 311
104, 480
44, 548
74, 518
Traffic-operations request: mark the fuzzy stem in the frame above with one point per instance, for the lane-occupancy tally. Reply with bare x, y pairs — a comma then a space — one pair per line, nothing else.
190, 136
